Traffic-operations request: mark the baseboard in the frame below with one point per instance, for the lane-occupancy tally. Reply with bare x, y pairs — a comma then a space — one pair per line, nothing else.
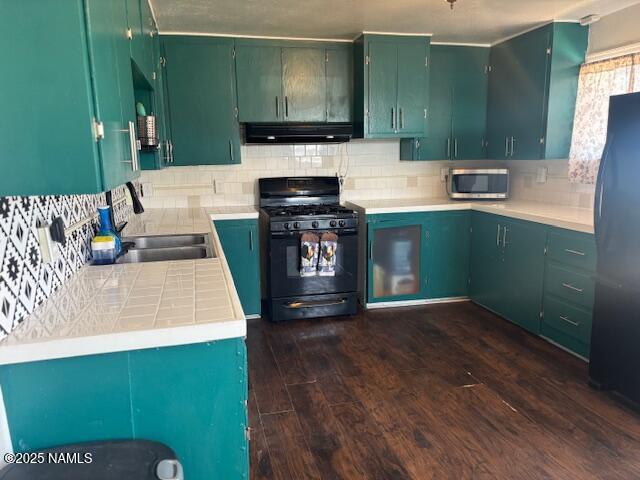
411, 303
253, 316
555, 344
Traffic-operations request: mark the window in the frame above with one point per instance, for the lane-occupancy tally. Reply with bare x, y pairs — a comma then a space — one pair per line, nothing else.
598, 81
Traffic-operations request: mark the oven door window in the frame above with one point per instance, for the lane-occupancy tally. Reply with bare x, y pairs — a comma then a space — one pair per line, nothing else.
285, 267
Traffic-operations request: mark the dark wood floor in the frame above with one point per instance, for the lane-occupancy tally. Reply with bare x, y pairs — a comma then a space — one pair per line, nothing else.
442, 391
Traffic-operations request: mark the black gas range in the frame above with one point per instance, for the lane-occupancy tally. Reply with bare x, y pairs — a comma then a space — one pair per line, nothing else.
294, 210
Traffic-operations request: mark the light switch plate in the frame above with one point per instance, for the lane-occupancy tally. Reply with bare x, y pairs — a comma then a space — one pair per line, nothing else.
541, 176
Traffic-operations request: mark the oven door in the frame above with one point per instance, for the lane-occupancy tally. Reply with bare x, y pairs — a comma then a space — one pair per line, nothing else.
285, 279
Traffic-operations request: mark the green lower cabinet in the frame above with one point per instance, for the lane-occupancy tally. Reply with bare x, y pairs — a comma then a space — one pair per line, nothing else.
507, 267
240, 243
192, 398
567, 325
448, 251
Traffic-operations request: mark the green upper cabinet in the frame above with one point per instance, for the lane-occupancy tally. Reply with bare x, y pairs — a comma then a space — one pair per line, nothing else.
201, 80
77, 86
304, 84
533, 85
240, 243
391, 86
339, 84
141, 31
293, 81
458, 86
259, 77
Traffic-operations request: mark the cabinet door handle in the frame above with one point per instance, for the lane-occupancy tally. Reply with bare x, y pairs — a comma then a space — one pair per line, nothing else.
498, 236
448, 148
393, 118
504, 237
171, 151
251, 240
506, 147
231, 150
286, 106
277, 107
401, 119
571, 287
455, 148
575, 252
569, 321
513, 142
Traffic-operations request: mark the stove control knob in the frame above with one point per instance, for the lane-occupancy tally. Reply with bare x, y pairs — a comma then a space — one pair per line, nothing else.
341, 223
315, 224
287, 226
332, 223
296, 225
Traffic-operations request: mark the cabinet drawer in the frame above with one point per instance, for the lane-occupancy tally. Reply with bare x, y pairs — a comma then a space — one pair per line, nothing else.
572, 321
570, 285
572, 248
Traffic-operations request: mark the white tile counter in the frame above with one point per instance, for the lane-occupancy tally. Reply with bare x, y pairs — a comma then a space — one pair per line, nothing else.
115, 308
572, 218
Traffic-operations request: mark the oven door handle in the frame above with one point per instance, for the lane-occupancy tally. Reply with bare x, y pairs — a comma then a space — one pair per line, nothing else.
295, 233
298, 304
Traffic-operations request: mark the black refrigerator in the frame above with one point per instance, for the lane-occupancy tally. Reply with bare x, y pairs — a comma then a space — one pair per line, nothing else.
615, 339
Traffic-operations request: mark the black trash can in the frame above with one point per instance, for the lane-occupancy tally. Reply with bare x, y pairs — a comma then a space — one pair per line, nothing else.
107, 460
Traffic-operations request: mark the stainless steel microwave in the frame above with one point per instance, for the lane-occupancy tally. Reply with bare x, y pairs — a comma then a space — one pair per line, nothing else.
478, 183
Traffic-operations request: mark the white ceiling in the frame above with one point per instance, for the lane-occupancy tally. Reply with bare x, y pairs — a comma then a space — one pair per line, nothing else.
471, 21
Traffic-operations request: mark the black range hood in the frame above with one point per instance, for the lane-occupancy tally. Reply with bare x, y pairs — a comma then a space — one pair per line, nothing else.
265, 133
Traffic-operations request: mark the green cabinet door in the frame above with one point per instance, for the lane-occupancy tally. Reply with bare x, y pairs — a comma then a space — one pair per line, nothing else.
259, 77
448, 251
396, 258
524, 244
469, 113
412, 88
500, 111
487, 261
239, 239
530, 56
339, 71
304, 84
201, 81
383, 87
145, 63
437, 146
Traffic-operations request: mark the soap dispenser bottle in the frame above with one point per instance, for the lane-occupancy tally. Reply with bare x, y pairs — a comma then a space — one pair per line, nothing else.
106, 227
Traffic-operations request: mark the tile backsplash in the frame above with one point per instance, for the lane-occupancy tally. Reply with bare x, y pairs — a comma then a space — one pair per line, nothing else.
371, 169
25, 281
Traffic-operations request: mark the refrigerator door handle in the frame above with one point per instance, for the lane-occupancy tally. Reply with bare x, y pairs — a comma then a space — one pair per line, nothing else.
599, 199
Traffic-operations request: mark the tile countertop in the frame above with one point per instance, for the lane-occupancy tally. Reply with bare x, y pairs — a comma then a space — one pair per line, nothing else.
113, 308
572, 218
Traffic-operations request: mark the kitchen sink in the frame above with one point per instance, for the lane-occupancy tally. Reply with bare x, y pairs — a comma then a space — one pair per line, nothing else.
163, 241
162, 248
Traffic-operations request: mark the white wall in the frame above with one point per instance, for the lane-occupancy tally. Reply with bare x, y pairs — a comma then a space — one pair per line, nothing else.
618, 32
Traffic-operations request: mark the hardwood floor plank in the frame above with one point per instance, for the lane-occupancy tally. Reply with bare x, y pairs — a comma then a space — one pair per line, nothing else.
441, 391
259, 457
264, 375
290, 456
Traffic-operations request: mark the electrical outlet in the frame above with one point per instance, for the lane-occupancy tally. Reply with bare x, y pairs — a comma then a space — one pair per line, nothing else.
49, 250
541, 176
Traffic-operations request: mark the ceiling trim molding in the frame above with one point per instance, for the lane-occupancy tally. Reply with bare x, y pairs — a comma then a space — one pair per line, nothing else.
261, 37
613, 52
397, 34
153, 14
462, 44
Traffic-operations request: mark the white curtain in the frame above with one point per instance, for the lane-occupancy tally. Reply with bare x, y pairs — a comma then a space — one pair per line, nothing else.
598, 81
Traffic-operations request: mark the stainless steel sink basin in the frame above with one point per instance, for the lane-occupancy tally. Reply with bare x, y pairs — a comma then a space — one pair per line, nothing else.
142, 255
162, 248
162, 241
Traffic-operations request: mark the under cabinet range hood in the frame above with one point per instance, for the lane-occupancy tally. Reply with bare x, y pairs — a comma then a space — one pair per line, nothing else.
265, 133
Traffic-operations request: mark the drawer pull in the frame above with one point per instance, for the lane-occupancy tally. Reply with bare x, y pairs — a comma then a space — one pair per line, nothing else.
574, 252
569, 321
571, 287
